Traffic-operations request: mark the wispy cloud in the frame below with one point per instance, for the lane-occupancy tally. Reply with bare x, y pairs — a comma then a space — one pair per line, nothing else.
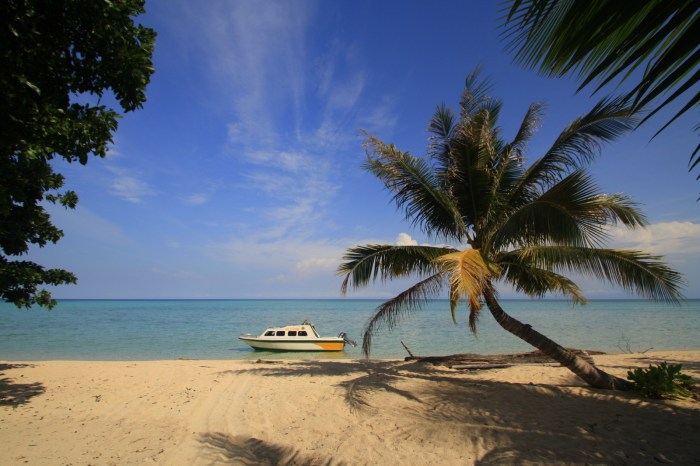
262, 52
255, 53
381, 117
296, 106
284, 259
128, 186
196, 199
667, 238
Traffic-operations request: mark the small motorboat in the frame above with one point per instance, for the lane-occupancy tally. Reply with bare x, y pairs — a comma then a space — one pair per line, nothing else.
302, 337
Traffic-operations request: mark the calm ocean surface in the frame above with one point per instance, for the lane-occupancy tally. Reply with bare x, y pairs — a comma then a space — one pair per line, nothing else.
146, 330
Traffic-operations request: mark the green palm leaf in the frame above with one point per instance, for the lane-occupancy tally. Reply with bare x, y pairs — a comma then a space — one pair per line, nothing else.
441, 128
528, 127
364, 264
604, 40
416, 189
638, 272
391, 312
534, 281
579, 143
571, 212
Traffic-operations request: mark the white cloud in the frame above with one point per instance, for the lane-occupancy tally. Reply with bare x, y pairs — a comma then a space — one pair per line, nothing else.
346, 93
127, 186
295, 105
282, 260
381, 117
404, 239
113, 152
256, 52
294, 162
280, 254
196, 199
667, 238
318, 264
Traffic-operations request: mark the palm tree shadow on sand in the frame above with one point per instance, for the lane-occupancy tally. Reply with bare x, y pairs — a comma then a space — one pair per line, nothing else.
16, 394
506, 423
252, 451
370, 376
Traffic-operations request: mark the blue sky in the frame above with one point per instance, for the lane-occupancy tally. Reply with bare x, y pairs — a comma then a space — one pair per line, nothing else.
241, 177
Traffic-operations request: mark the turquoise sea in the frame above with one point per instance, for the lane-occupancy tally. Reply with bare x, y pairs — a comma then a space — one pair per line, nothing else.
208, 329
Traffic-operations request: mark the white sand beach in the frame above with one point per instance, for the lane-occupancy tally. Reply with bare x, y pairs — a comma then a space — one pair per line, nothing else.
201, 412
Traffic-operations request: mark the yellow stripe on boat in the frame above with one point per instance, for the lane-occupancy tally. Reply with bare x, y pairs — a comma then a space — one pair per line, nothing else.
331, 346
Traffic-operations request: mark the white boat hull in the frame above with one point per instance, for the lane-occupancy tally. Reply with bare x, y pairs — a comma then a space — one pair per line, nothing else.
302, 337
325, 344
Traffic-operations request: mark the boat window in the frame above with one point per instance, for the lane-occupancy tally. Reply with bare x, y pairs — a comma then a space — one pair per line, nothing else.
280, 333
270, 333
302, 333
292, 333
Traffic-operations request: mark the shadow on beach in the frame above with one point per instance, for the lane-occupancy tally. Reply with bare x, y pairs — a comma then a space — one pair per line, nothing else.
253, 451
687, 365
13, 393
510, 423
643, 361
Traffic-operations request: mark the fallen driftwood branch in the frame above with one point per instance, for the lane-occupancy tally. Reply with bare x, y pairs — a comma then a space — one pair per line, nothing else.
501, 366
493, 361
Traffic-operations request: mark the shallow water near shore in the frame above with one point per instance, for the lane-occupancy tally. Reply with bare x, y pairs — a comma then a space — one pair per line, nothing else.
209, 329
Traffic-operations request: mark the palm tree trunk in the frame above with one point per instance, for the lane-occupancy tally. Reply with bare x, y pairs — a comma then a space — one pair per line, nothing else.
590, 374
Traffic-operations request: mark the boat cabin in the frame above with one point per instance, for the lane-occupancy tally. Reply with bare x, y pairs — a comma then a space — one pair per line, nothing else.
292, 331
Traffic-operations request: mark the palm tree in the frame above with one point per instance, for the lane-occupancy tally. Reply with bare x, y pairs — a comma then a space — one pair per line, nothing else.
521, 225
603, 40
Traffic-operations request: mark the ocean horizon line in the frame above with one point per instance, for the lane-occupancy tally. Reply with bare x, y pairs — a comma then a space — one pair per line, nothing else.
135, 329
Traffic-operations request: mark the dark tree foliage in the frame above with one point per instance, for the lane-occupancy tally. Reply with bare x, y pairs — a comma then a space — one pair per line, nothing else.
55, 56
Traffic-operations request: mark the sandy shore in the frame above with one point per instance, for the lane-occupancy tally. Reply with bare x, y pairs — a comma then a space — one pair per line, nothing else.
335, 412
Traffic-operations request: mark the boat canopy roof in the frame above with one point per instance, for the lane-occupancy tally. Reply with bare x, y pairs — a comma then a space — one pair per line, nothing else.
299, 330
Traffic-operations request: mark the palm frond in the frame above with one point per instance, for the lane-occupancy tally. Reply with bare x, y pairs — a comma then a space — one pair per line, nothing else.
528, 127
572, 212
468, 274
454, 301
637, 272
509, 169
470, 178
415, 188
441, 128
364, 264
393, 310
476, 94
602, 40
536, 282
620, 208
580, 142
